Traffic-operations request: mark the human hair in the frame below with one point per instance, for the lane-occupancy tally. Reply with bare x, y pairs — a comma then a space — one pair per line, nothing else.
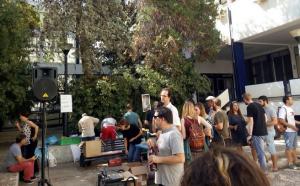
188, 109
286, 98
226, 167
201, 108
168, 90
123, 122
264, 98
231, 112
20, 137
247, 96
129, 106
166, 113
218, 102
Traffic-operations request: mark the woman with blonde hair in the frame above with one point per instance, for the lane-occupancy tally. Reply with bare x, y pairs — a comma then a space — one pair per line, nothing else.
191, 122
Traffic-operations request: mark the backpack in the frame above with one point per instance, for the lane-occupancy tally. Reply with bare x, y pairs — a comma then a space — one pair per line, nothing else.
280, 127
196, 135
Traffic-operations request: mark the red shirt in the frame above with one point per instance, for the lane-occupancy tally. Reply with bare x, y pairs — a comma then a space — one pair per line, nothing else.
108, 133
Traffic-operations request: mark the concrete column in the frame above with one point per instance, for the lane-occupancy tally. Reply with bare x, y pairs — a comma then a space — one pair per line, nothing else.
293, 61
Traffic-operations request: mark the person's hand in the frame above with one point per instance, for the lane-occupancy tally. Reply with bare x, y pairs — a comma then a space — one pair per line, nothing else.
34, 138
235, 127
33, 158
150, 143
132, 139
249, 139
153, 159
126, 151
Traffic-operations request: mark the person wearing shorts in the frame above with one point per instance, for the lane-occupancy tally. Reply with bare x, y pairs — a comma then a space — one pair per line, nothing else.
287, 117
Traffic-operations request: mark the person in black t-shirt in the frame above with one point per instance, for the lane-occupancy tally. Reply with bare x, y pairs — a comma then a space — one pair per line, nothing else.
132, 136
256, 120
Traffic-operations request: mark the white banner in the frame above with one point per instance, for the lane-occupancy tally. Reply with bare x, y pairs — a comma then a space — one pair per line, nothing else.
66, 103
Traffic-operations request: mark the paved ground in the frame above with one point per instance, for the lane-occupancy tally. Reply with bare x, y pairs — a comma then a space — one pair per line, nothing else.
71, 174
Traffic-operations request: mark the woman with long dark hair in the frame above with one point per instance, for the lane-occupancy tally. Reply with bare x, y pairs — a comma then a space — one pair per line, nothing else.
237, 125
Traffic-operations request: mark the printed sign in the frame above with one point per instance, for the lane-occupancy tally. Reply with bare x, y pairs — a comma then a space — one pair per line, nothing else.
146, 102
66, 103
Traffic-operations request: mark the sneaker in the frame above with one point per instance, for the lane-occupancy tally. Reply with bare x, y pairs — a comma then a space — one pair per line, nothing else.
28, 182
292, 166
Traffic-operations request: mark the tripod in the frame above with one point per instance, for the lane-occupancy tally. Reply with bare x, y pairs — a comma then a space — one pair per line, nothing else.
42, 180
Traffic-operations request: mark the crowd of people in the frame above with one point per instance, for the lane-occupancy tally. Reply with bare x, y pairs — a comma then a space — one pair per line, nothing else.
203, 146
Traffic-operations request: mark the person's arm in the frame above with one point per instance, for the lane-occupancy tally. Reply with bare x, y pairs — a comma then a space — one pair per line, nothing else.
79, 127
33, 125
204, 122
272, 122
126, 145
20, 159
249, 122
95, 121
183, 132
282, 119
17, 124
134, 138
173, 159
140, 123
297, 122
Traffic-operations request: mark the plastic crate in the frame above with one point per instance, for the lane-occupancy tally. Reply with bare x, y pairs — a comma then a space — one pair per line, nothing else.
69, 140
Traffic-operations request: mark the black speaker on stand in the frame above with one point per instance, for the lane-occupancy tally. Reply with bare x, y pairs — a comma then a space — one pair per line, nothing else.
44, 89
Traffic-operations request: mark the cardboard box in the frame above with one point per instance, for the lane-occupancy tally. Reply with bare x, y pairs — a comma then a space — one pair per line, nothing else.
139, 170
92, 148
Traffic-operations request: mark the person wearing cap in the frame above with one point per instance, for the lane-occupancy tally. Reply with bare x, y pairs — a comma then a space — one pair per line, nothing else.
86, 126
210, 105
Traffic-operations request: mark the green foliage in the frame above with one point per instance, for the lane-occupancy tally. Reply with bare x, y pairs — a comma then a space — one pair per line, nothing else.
100, 27
17, 21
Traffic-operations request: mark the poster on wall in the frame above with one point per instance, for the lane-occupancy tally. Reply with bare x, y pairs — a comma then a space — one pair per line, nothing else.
146, 105
66, 103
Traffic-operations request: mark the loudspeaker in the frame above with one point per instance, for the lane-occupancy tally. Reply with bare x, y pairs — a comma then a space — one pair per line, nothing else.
44, 83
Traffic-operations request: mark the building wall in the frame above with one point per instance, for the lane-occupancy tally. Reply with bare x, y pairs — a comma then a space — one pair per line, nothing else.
217, 67
251, 17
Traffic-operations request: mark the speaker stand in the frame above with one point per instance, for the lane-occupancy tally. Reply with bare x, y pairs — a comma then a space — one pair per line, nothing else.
42, 180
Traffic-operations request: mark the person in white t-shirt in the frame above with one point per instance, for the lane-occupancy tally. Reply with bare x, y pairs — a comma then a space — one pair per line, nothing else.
86, 126
287, 117
165, 97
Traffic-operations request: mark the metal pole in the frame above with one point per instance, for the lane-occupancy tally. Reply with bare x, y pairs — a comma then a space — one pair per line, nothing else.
65, 115
232, 53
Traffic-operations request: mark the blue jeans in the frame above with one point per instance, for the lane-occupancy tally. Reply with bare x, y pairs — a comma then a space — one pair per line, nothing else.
134, 153
258, 144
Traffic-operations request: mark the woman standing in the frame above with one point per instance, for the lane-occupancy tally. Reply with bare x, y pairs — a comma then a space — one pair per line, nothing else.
200, 111
189, 118
237, 125
30, 130
132, 135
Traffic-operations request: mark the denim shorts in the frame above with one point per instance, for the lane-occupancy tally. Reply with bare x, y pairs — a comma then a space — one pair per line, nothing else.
270, 142
290, 140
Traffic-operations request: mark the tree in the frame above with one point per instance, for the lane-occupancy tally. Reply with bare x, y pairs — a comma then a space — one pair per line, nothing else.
170, 35
17, 21
98, 26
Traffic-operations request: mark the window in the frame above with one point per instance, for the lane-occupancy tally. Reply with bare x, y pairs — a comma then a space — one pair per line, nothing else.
272, 67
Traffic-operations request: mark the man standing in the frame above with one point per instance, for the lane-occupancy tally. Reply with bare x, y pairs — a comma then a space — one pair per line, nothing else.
132, 117
287, 118
86, 126
210, 105
165, 97
170, 158
257, 128
15, 162
271, 121
221, 125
